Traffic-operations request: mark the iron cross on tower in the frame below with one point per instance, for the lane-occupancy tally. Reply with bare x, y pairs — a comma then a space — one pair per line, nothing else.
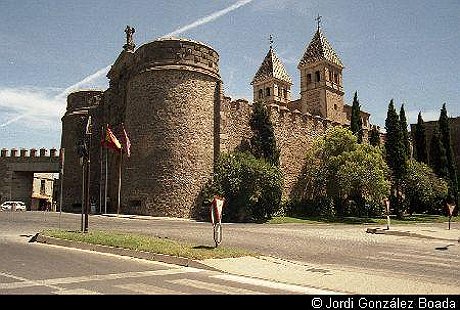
318, 19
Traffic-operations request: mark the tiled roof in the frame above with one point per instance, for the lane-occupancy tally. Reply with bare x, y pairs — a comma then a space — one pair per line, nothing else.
320, 49
272, 67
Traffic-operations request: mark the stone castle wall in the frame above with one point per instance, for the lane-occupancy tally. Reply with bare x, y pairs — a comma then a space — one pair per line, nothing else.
165, 93
17, 168
294, 133
454, 124
79, 105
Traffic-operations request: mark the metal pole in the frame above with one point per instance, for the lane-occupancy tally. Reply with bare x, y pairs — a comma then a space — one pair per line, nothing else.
61, 185
105, 181
82, 196
100, 175
119, 181
88, 183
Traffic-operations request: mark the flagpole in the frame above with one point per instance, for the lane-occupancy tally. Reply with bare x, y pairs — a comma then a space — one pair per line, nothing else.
105, 181
100, 176
61, 185
119, 181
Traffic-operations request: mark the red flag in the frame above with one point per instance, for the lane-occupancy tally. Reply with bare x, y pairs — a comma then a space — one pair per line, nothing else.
109, 140
126, 142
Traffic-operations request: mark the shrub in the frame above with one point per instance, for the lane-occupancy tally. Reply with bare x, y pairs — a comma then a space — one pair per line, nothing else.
252, 187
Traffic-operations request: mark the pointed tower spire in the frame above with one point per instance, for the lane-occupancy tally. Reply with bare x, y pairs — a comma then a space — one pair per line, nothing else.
272, 83
321, 88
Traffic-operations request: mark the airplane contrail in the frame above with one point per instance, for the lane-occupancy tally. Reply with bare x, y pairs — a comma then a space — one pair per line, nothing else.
202, 21
209, 18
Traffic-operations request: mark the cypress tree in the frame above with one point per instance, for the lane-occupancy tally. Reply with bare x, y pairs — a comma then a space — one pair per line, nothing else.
404, 132
356, 123
395, 149
263, 141
438, 158
395, 155
374, 137
420, 149
444, 128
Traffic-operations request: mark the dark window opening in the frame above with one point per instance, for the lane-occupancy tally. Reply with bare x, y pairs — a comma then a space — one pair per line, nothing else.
42, 187
267, 91
285, 93
317, 76
308, 78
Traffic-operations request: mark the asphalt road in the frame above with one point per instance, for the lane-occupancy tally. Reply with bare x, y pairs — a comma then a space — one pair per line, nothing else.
330, 244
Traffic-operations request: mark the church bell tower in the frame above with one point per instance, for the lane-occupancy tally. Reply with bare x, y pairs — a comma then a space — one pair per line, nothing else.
321, 87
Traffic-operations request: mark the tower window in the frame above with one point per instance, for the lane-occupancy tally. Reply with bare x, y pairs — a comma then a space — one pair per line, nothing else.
308, 78
317, 76
285, 93
330, 75
267, 92
42, 187
336, 78
261, 93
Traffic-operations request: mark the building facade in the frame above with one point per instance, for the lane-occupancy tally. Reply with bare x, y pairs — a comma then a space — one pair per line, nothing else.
167, 95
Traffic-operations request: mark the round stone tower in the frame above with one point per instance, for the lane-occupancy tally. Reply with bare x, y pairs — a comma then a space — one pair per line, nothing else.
80, 104
172, 99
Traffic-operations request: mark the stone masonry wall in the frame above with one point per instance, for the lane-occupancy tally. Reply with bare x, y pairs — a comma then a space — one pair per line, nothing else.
294, 133
173, 141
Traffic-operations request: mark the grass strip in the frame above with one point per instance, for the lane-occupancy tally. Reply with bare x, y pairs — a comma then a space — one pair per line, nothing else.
413, 219
147, 243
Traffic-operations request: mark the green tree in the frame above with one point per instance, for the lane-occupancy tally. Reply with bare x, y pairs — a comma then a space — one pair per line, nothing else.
424, 190
263, 141
444, 128
395, 156
404, 132
374, 136
363, 177
438, 158
420, 147
356, 123
338, 169
252, 187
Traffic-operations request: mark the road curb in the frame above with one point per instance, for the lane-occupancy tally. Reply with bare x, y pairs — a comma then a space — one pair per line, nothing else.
181, 261
407, 234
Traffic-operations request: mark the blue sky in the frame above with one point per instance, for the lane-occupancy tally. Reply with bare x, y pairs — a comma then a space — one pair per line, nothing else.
402, 50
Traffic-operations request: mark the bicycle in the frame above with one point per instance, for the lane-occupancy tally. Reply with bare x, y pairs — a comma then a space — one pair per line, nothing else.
216, 218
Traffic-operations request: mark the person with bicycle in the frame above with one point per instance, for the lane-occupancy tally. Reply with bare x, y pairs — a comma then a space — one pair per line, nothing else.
216, 207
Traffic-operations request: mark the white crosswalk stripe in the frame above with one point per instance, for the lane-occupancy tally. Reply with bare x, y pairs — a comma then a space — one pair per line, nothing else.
147, 289
214, 287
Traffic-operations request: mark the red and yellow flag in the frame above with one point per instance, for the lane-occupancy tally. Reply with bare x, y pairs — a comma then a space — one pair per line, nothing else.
110, 140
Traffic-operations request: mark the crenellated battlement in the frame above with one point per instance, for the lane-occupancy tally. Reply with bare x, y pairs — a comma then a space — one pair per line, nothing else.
29, 153
278, 112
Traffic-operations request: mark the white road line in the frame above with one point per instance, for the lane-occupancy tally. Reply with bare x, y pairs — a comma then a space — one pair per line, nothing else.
103, 277
142, 288
435, 264
78, 291
276, 285
427, 256
214, 287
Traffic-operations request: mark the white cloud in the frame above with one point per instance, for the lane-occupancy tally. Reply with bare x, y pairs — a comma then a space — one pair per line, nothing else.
43, 106
209, 18
34, 106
